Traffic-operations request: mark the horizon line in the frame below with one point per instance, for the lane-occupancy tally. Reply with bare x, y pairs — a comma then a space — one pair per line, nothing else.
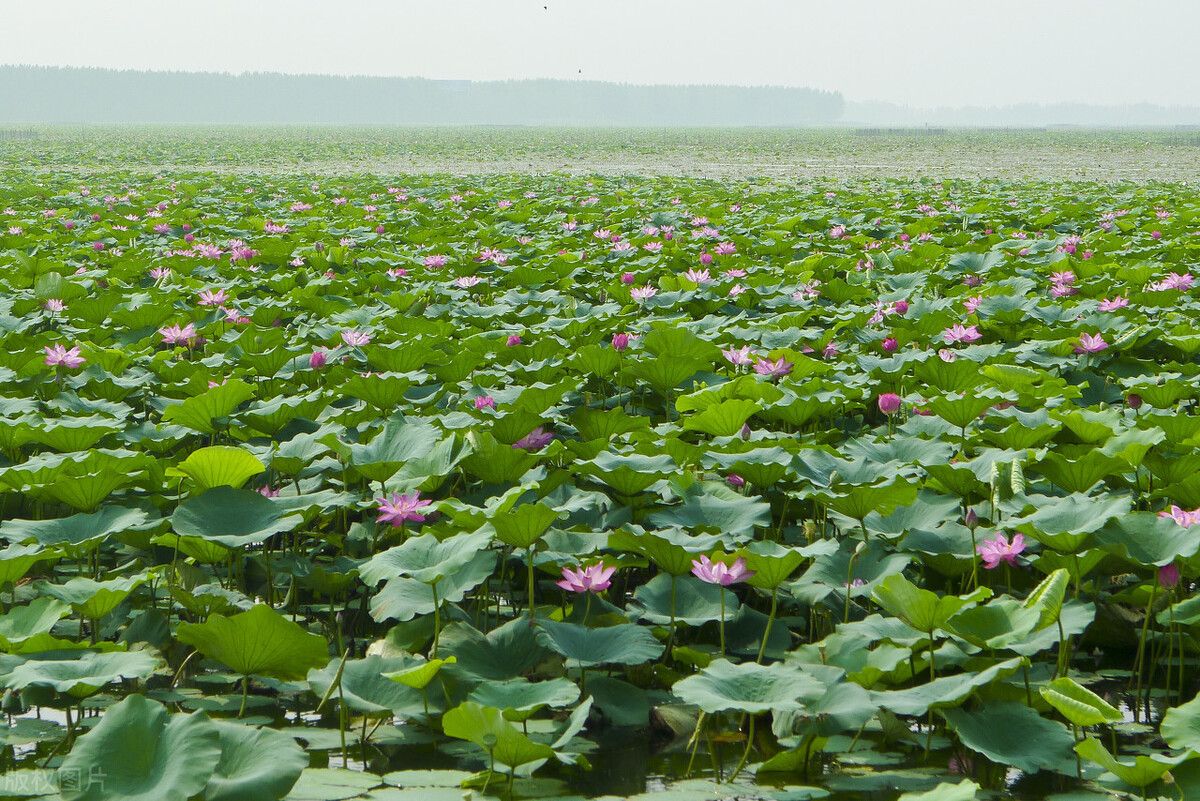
783, 87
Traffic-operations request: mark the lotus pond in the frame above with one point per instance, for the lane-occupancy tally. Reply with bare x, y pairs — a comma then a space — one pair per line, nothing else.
555, 487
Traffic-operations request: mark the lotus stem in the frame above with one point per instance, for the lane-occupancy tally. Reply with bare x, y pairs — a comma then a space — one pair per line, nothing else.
745, 753
531, 581
245, 695
762, 648
1140, 661
721, 628
437, 621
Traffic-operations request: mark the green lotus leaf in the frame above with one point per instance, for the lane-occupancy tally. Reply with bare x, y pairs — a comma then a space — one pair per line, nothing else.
944, 691
1180, 726
997, 625
1144, 770
500, 740
399, 442
36, 617
522, 525
425, 558
84, 674
1047, 598
220, 466
143, 754
254, 764
772, 563
17, 560
201, 412
623, 644
922, 609
404, 598
716, 508
93, 599
520, 699
365, 688
417, 672
81, 530
258, 642
232, 517
1148, 540
1013, 734
628, 474
505, 652
963, 791
723, 419
749, 687
666, 555
1078, 704
694, 602
332, 784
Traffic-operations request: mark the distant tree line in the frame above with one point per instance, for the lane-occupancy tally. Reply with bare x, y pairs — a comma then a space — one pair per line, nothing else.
82, 95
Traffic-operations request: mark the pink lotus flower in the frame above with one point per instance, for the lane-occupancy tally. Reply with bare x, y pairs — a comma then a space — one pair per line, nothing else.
485, 402
1133, 401
1180, 281
54, 305
1091, 343
1182, 516
267, 491
889, 345
735, 290
725, 249
58, 355
175, 335
889, 403
720, 573
593, 578
400, 509
698, 276
960, 333
211, 298
738, 356
467, 281
355, 338
999, 549
620, 341
435, 261
643, 293
971, 304
513, 340
773, 369
1107, 305
535, 440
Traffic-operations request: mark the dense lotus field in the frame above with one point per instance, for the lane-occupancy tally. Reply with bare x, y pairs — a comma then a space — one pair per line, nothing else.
552, 488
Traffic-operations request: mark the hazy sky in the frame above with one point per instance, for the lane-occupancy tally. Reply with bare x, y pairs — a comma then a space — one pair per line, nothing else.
924, 52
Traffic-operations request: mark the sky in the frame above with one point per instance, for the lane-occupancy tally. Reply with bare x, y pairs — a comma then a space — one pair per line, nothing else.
922, 53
